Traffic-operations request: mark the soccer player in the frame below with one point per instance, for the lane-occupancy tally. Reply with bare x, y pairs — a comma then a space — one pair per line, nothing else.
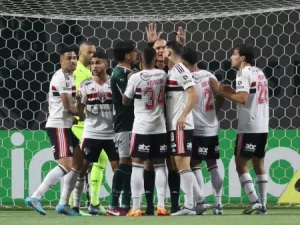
126, 54
64, 143
149, 135
206, 141
181, 98
96, 99
159, 45
251, 96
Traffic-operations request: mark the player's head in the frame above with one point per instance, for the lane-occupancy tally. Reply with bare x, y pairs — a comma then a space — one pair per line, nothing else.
172, 50
99, 63
125, 51
86, 51
68, 59
242, 55
189, 57
149, 58
159, 47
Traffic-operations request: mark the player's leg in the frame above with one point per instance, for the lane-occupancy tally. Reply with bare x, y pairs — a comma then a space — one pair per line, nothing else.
211, 161
259, 168
71, 178
97, 173
139, 152
174, 184
60, 148
121, 178
149, 183
158, 154
182, 156
243, 157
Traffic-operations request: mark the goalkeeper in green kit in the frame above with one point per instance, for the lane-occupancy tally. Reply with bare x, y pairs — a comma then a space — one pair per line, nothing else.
81, 73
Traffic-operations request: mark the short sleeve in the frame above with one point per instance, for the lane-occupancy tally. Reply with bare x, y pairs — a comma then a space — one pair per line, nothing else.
243, 83
185, 80
83, 95
63, 85
130, 89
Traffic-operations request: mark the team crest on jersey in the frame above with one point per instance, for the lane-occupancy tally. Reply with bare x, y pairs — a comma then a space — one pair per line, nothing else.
197, 78
102, 96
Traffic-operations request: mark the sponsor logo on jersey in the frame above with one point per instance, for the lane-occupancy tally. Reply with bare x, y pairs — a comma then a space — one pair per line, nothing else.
95, 110
163, 148
217, 148
250, 147
202, 150
144, 148
173, 145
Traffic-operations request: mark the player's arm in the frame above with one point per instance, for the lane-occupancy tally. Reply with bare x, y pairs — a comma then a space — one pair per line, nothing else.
219, 102
129, 92
81, 103
239, 96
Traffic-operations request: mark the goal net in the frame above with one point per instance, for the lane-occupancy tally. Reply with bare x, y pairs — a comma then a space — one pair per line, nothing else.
32, 30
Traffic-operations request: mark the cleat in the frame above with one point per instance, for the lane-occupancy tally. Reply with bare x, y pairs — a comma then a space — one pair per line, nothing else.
202, 207
262, 210
113, 212
35, 204
93, 210
218, 210
102, 210
161, 211
252, 207
149, 212
184, 212
137, 212
175, 209
124, 211
66, 210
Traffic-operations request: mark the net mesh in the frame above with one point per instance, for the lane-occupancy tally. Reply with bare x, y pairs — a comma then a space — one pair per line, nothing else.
31, 32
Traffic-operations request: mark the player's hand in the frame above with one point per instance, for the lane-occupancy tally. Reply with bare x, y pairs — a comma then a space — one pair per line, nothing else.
181, 36
75, 121
180, 124
78, 96
152, 34
215, 85
227, 88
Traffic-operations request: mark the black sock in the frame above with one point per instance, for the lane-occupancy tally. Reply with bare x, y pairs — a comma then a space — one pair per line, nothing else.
149, 183
174, 184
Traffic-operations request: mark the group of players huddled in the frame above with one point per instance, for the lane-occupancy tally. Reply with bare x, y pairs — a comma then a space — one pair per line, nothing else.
156, 124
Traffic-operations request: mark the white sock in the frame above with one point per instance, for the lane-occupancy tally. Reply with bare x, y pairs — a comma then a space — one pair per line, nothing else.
49, 181
198, 193
160, 183
187, 187
69, 184
217, 184
137, 185
247, 184
78, 189
262, 183
198, 174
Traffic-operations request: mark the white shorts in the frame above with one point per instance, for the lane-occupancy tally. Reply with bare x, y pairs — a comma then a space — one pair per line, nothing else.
123, 144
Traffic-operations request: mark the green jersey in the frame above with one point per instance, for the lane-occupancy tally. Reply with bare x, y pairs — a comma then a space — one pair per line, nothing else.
123, 115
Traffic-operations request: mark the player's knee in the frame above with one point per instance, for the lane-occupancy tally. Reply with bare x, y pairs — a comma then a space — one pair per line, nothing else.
125, 160
137, 161
258, 165
148, 165
66, 162
114, 165
171, 164
211, 163
195, 163
182, 162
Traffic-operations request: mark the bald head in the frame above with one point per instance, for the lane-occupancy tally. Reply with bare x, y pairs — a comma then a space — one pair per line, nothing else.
86, 51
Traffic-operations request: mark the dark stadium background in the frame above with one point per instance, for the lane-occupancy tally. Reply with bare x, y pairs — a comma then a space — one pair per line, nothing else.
28, 59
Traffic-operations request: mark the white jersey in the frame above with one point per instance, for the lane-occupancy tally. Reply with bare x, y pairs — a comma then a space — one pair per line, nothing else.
205, 117
253, 116
147, 87
98, 123
61, 82
179, 79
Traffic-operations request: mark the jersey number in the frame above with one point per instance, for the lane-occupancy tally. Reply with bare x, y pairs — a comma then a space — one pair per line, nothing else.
208, 104
262, 92
151, 97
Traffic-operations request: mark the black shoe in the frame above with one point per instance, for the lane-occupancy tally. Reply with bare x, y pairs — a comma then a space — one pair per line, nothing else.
175, 209
149, 212
76, 209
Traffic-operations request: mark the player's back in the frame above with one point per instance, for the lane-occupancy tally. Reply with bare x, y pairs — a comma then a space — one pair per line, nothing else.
253, 116
61, 82
205, 117
149, 87
123, 115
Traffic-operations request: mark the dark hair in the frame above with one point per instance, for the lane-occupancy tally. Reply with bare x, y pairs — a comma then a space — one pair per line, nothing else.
100, 55
149, 55
64, 49
189, 55
123, 48
175, 46
247, 51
